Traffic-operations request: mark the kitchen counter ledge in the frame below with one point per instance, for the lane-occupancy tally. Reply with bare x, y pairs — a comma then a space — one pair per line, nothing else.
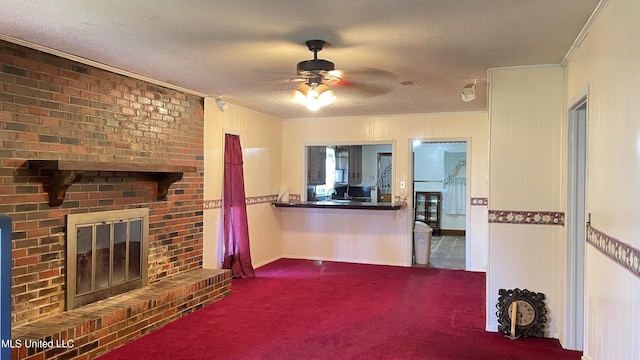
339, 204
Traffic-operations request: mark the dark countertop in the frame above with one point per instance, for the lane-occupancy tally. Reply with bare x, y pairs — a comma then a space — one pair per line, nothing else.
342, 204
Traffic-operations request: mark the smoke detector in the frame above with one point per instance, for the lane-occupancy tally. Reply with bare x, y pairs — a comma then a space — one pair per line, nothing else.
469, 91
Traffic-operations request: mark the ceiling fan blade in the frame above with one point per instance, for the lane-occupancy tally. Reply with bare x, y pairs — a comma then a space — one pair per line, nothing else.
368, 74
365, 81
368, 89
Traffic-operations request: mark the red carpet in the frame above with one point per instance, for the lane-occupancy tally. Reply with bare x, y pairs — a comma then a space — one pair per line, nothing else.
299, 309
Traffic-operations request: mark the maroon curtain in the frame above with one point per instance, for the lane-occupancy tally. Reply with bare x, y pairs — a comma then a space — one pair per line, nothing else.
237, 255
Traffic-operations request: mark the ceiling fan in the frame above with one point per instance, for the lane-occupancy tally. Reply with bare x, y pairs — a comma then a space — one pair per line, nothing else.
315, 67
317, 75
313, 93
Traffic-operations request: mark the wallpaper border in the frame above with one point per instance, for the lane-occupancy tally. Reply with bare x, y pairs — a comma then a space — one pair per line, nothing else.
251, 200
479, 201
621, 253
526, 217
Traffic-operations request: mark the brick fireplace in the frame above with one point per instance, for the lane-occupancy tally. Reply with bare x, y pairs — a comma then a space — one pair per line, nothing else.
57, 109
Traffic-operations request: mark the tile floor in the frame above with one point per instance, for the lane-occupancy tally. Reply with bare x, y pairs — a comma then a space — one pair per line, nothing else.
447, 252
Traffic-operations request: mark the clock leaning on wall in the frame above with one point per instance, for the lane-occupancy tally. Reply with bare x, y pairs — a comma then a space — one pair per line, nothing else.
531, 313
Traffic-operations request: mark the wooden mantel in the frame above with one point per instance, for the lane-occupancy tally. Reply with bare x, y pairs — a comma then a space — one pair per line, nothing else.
64, 173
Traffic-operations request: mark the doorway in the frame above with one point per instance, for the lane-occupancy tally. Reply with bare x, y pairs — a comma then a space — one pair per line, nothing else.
440, 172
576, 222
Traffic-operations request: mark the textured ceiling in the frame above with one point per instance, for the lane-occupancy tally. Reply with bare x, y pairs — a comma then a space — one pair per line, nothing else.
246, 51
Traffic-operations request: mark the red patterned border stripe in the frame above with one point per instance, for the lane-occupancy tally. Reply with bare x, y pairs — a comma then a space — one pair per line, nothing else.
479, 201
622, 253
526, 217
401, 199
212, 204
252, 200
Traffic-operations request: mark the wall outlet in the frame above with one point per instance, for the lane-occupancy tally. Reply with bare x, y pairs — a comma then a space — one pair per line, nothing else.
402, 184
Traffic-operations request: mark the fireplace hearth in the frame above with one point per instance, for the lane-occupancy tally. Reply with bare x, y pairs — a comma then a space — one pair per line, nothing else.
107, 254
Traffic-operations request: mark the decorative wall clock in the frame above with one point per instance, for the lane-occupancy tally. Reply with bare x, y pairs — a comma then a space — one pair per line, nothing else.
530, 313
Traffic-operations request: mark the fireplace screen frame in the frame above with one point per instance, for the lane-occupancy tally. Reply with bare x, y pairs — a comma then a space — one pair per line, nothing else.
109, 219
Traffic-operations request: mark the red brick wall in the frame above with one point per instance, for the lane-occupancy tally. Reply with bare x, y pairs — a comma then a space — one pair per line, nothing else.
54, 108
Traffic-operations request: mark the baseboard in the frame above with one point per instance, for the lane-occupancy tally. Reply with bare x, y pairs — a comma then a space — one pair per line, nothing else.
345, 260
445, 232
583, 357
262, 263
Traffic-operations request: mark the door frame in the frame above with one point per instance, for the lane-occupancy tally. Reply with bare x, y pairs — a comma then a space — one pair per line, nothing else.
577, 218
411, 187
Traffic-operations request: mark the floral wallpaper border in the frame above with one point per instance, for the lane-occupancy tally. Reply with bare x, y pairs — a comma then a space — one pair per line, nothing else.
624, 254
479, 201
401, 199
212, 204
526, 217
252, 200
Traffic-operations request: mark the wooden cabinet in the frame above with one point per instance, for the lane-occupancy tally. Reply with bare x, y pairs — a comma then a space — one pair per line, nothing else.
355, 164
342, 164
428, 209
316, 165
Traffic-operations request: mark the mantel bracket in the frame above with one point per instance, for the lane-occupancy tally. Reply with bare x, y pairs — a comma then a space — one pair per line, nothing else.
165, 180
60, 182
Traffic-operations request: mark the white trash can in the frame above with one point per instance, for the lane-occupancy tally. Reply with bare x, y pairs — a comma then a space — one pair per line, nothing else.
422, 242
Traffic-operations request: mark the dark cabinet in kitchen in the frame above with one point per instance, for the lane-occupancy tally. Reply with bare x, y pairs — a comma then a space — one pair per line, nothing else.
428, 208
355, 164
316, 165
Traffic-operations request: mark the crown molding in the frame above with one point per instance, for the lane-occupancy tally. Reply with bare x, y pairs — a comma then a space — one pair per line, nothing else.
585, 30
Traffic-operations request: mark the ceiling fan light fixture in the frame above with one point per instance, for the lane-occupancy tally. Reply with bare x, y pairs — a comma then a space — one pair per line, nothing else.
325, 95
300, 93
313, 93
314, 96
